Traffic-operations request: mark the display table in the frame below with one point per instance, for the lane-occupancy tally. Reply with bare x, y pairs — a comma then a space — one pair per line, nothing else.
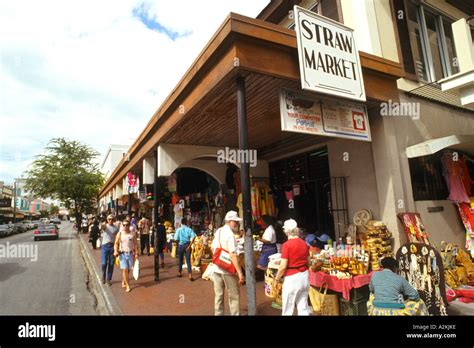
344, 286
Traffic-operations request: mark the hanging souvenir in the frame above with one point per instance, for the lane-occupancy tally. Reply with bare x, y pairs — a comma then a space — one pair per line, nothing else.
421, 266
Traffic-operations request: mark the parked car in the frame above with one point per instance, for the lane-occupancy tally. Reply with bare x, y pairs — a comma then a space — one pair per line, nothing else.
36, 223
6, 230
20, 227
29, 224
46, 231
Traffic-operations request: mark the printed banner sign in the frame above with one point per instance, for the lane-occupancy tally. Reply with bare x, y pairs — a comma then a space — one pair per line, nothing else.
304, 113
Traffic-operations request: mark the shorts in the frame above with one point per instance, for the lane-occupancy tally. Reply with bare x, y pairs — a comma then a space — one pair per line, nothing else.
126, 260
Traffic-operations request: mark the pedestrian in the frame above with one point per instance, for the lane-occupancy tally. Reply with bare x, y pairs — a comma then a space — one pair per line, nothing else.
144, 228
224, 239
294, 265
84, 225
389, 290
160, 240
126, 248
269, 242
110, 230
185, 237
94, 233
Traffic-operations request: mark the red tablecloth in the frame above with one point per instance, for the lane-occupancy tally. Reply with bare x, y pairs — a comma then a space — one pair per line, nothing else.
344, 286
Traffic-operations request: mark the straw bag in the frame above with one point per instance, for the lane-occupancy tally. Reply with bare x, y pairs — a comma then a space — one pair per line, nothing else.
174, 250
323, 304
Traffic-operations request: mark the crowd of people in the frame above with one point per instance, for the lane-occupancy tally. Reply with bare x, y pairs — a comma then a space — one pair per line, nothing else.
126, 238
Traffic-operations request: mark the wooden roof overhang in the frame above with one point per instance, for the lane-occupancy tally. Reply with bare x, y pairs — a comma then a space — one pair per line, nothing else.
202, 108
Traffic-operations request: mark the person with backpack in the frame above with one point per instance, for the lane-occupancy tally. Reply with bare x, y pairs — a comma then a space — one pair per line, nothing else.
227, 270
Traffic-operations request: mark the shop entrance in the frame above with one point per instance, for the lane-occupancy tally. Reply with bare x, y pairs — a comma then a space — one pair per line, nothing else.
304, 191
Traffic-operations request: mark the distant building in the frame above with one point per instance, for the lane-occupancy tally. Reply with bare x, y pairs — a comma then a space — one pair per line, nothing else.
112, 158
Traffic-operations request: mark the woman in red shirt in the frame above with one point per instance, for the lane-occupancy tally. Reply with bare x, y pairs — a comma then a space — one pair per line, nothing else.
294, 265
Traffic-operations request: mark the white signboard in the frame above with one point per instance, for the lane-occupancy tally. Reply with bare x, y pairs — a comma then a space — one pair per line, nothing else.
328, 57
305, 113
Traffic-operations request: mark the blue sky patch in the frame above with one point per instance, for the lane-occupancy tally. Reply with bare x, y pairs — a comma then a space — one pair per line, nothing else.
142, 13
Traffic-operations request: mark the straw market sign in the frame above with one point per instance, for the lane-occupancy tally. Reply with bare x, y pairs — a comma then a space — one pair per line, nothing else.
305, 113
328, 57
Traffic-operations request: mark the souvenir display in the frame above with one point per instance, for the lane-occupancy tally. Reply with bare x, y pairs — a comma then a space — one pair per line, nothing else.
378, 242
344, 262
414, 228
422, 266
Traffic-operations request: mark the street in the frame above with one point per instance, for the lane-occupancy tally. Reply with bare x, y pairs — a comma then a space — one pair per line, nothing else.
52, 283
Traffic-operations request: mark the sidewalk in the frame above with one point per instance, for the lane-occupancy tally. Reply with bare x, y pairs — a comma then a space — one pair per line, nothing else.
171, 295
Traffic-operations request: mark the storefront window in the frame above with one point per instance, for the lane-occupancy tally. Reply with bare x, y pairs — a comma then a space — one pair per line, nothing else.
432, 43
448, 36
415, 40
427, 179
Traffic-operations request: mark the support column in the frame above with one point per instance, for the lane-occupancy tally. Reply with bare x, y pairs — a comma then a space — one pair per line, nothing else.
155, 220
246, 202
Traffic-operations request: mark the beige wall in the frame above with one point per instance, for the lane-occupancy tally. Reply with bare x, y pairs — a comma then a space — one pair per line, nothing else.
359, 170
391, 136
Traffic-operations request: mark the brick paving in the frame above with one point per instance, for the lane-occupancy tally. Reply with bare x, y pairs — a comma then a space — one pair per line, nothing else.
172, 295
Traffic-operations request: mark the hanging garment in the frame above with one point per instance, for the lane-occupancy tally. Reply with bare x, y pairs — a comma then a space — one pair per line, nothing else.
254, 197
271, 205
229, 176
237, 183
263, 201
466, 178
467, 217
239, 205
289, 195
453, 175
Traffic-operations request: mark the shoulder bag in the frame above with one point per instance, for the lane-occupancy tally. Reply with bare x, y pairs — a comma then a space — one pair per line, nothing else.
222, 258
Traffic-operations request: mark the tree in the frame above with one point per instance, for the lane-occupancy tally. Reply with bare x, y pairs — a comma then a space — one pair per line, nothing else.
66, 172
54, 210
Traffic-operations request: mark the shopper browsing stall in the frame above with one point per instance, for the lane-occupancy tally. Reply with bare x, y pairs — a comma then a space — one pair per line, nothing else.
389, 291
224, 240
294, 266
269, 242
185, 237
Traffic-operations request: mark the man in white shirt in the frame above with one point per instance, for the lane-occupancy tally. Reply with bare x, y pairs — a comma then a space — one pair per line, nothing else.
224, 238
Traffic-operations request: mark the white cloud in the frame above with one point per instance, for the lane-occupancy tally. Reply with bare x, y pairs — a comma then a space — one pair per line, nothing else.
91, 70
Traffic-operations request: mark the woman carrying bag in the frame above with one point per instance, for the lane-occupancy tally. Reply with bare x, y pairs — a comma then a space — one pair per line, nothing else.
294, 265
126, 248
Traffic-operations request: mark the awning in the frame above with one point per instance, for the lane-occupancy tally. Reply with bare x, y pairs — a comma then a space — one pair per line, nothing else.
429, 147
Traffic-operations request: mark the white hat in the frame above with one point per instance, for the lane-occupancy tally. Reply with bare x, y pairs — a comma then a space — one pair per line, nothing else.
289, 225
232, 216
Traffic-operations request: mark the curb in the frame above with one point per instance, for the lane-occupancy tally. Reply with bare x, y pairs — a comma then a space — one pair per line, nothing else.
106, 304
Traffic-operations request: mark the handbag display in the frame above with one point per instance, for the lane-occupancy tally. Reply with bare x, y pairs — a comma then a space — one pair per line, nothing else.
222, 258
323, 304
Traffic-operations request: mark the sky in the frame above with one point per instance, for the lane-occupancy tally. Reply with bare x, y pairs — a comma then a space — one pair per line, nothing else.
94, 71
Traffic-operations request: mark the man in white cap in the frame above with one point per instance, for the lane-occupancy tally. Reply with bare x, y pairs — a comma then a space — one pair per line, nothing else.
223, 279
294, 265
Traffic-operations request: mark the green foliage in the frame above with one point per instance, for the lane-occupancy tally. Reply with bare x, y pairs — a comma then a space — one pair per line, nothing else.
67, 172
54, 210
